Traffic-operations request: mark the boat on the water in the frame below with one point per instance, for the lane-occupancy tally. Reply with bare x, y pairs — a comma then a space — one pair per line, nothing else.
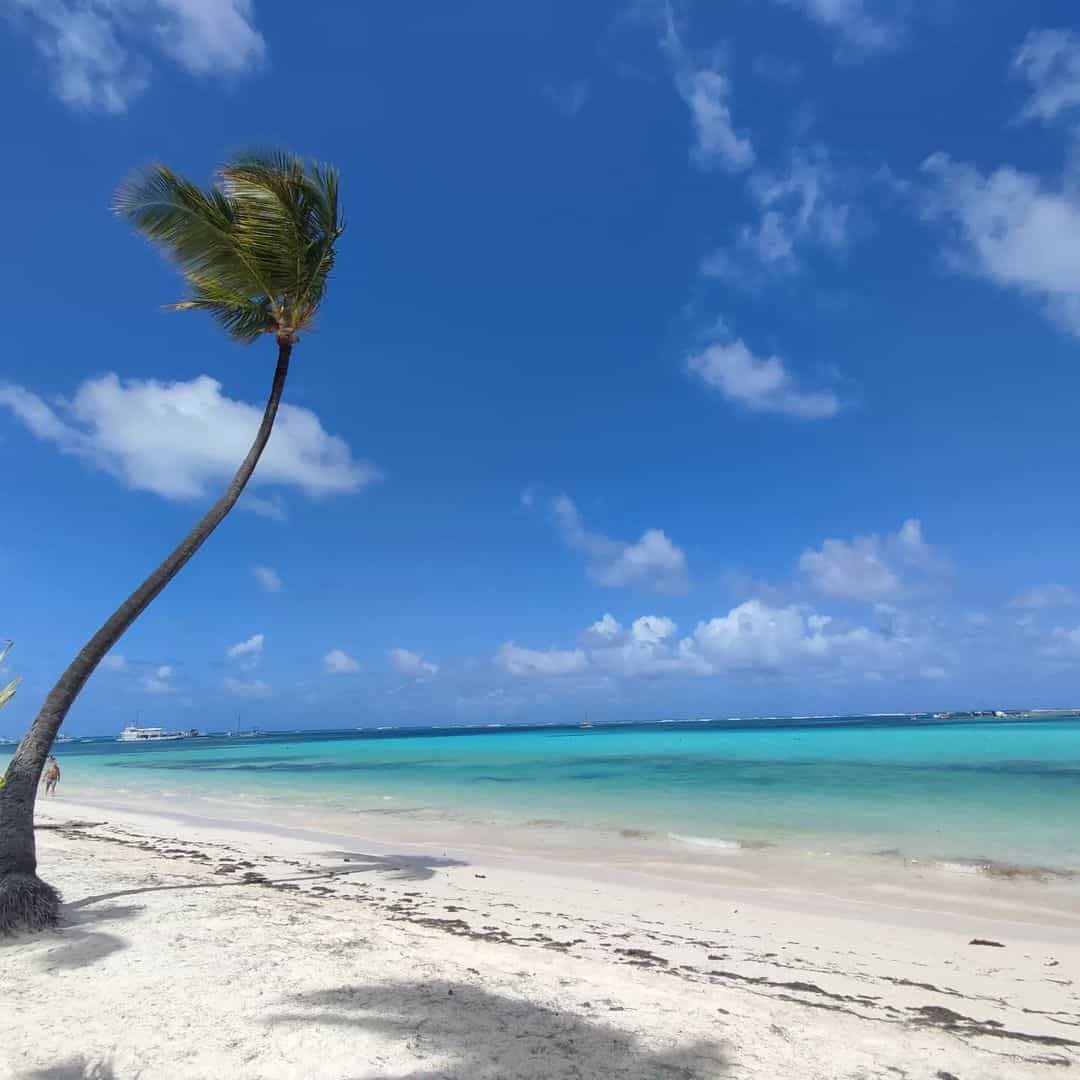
251, 733
135, 733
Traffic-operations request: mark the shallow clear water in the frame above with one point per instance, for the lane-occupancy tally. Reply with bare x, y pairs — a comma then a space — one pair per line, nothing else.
1001, 791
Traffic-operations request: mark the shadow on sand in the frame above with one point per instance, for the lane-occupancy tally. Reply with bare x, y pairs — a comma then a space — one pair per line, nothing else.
79, 944
396, 867
77, 1068
478, 1035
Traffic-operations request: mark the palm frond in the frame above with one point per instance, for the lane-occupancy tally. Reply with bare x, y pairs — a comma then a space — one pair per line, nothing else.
196, 228
242, 317
8, 692
256, 248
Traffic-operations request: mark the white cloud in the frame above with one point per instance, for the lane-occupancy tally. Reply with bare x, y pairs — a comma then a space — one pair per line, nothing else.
762, 384
269, 579
1045, 596
653, 559
758, 637
803, 206
867, 567
209, 37
753, 637
706, 92
413, 665
253, 646
1049, 61
1010, 229
270, 506
248, 688
184, 440
649, 649
115, 662
95, 50
540, 662
1063, 644
605, 631
858, 28
159, 681
934, 672
652, 562
337, 662
652, 629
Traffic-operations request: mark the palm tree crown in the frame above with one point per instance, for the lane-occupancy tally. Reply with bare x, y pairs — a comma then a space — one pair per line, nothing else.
256, 247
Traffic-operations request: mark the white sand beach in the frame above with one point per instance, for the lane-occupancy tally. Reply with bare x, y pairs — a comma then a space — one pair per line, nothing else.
193, 947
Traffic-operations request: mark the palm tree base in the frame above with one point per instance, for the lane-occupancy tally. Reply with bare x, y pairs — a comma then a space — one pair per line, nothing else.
27, 904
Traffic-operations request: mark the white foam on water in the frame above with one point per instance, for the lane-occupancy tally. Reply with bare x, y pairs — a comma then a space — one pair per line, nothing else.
729, 847
960, 867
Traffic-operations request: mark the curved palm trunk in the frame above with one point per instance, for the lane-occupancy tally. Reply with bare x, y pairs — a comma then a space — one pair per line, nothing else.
26, 902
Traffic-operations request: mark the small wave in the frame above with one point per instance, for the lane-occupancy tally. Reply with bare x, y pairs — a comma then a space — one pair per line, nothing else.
1003, 870
730, 846
950, 867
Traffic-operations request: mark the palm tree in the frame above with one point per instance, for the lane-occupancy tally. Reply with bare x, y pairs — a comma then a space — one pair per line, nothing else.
256, 248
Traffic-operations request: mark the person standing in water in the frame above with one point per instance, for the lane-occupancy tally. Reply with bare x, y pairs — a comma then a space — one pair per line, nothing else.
52, 776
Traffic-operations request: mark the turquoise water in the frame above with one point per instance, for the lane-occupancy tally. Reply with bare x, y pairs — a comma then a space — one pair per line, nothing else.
1000, 791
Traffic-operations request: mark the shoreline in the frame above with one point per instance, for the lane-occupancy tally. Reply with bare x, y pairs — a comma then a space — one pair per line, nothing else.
282, 951
701, 866
990, 803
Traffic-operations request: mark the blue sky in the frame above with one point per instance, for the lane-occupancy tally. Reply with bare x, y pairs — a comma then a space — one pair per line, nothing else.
712, 359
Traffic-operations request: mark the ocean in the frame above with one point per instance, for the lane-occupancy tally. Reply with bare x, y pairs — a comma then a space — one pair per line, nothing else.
965, 793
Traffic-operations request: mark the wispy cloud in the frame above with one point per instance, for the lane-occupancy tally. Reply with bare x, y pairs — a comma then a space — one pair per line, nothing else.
1049, 62
758, 383
412, 665
268, 578
652, 562
803, 206
516, 660
182, 440
99, 53
1012, 229
868, 567
159, 681
1045, 596
860, 29
209, 37
338, 662
707, 93
253, 646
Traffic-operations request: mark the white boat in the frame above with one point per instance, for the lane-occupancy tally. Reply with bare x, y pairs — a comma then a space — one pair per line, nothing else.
135, 733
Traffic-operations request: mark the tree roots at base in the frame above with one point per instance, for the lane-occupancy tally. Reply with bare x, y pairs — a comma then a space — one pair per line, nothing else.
27, 904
